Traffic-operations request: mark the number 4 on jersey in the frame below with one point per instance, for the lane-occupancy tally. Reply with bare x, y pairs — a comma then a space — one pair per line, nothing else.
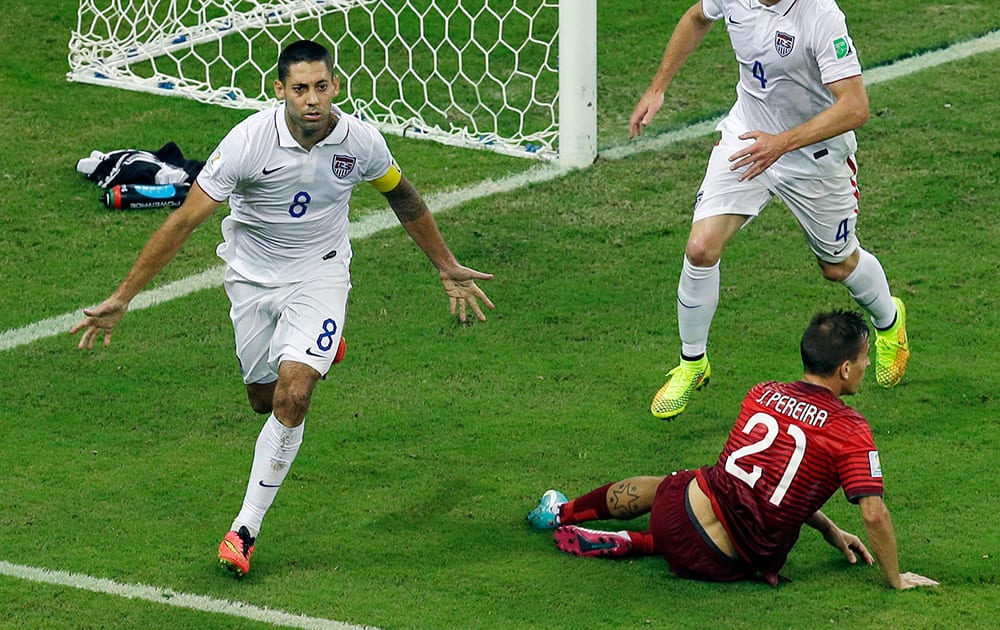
758, 73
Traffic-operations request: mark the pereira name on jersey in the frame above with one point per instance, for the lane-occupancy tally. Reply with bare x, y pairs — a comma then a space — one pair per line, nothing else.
792, 446
289, 206
835, 441
788, 53
788, 405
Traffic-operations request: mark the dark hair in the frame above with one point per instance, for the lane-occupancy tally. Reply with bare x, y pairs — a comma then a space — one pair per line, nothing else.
302, 50
830, 339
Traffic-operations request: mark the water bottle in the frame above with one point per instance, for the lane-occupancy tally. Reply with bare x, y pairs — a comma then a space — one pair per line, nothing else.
142, 196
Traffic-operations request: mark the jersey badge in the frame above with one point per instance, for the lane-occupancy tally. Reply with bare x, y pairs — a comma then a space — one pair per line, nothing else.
841, 47
783, 43
343, 165
874, 464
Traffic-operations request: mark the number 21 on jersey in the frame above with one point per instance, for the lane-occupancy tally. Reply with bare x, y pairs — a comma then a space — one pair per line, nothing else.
752, 476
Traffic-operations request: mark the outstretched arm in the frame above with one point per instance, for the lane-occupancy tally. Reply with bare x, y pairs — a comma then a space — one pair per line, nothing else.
687, 36
158, 251
458, 281
882, 538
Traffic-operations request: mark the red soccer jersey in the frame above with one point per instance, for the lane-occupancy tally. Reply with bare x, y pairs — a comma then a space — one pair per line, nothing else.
792, 447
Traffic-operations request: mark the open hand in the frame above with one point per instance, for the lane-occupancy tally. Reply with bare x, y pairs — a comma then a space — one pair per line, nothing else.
757, 157
463, 293
102, 317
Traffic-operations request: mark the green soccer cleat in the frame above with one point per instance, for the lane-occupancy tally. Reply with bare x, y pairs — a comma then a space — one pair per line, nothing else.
682, 381
892, 349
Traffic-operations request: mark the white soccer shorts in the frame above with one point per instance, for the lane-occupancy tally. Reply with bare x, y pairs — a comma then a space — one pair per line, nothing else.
300, 321
826, 209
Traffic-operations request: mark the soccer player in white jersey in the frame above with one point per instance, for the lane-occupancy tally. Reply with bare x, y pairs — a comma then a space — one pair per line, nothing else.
800, 96
288, 174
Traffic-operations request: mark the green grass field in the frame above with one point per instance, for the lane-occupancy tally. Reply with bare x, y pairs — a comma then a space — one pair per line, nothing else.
431, 441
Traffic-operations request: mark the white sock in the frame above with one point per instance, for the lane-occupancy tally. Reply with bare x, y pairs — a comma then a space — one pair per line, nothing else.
870, 289
697, 299
276, 448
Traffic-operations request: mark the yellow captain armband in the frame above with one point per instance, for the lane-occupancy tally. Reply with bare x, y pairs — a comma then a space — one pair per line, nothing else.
388, 181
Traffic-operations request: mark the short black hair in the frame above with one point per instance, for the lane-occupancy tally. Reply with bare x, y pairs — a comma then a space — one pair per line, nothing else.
830, 339
303, 50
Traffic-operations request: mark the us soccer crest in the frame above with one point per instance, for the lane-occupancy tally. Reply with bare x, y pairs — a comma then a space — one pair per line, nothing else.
343, 165
783, 43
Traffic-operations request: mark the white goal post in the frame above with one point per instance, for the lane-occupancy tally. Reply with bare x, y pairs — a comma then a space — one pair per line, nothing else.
513, 76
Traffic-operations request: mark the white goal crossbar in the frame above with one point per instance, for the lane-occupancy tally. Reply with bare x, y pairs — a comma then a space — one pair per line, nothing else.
513, 76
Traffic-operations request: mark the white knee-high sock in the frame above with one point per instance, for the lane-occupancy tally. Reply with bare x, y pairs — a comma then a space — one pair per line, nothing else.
697, 299
868, 286
276, 448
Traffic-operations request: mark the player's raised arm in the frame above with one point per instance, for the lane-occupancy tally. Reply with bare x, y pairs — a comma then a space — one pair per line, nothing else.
458, 280
158, 251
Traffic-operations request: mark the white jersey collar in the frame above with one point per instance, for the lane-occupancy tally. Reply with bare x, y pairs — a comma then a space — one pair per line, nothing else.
286, 139
781, 8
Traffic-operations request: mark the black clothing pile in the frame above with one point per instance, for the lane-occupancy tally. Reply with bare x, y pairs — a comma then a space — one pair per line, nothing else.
132, 166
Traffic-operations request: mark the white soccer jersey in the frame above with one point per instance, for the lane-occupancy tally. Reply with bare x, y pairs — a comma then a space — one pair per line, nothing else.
289, 206
787, 53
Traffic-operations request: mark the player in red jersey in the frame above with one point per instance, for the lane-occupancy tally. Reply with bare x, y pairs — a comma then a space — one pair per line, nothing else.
792, 446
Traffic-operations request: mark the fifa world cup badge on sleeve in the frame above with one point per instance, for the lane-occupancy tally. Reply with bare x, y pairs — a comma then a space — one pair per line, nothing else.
874, 464
842, 47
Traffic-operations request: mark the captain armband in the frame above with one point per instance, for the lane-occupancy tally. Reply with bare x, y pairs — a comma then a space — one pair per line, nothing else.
388, 181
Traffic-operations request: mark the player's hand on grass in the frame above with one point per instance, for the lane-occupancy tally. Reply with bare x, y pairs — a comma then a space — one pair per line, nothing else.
852, 547
912, 580
845, 542
463, 294
101, 318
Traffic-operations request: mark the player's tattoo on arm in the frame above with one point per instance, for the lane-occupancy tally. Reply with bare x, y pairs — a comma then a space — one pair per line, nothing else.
624, 500
406, 202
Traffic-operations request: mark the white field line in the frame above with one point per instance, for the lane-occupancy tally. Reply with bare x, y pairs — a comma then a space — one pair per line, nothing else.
173, 598
445, 201
365, 227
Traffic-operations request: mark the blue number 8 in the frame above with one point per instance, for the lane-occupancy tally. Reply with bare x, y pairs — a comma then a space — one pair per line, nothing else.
300, 203
325, 341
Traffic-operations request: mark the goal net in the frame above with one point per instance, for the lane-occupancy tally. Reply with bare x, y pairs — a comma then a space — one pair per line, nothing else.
476, 73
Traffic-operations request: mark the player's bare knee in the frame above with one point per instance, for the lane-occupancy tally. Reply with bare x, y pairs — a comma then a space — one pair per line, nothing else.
261, 397
291, 405
701, 253
835, 272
